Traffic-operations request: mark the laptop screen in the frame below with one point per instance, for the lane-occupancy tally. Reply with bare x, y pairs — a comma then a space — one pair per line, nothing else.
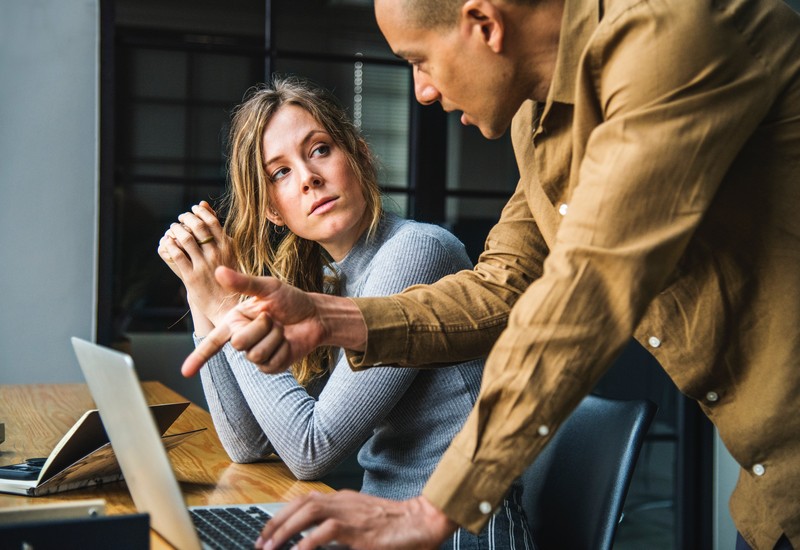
143, 460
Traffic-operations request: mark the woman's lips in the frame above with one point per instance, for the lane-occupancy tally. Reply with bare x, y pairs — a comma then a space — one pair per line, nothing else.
322, 206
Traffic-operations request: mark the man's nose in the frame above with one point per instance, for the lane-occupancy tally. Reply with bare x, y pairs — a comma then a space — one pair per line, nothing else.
424, 90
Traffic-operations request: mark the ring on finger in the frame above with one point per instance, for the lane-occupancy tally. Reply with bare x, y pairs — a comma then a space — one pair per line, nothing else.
206, 240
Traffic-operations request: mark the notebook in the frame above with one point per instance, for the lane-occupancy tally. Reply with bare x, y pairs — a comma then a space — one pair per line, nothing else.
83, 457
113, 383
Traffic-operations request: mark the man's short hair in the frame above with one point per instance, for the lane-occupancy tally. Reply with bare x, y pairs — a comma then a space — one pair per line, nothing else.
432, 14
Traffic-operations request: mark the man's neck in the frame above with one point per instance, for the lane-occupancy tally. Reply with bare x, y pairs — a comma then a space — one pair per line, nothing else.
535, 32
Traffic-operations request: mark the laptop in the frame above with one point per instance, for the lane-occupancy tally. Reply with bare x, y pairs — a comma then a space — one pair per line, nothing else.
145, 466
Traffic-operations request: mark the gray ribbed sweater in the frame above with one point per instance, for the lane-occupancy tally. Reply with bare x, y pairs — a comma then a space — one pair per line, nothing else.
403, 419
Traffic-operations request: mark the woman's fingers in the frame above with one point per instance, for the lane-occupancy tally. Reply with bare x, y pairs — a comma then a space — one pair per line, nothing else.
174, 255
206, 215
202, 223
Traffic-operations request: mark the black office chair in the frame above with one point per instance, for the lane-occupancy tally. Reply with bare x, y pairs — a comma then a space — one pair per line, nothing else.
575, 489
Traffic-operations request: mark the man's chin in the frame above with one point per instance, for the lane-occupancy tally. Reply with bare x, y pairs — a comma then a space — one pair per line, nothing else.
489, 131
492, 132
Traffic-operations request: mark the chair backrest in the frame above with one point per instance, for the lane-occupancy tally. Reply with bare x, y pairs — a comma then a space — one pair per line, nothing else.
575, 489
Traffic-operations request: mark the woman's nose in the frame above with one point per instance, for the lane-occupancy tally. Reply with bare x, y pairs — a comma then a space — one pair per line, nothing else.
311, 180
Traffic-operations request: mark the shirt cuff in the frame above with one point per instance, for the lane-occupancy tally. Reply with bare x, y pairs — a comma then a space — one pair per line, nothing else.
387, 333
467, 493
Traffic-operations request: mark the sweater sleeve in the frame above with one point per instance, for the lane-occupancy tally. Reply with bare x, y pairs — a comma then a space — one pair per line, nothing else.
314, 435
238, 430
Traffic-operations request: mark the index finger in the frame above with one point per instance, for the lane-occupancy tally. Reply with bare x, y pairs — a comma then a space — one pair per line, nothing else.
207, 349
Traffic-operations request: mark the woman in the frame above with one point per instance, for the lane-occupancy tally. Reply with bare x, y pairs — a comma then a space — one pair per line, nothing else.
304, 206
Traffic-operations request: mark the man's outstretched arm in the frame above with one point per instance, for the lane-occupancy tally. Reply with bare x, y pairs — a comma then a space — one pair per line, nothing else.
279, 325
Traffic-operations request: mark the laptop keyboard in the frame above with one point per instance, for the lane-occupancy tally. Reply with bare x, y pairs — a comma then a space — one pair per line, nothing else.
232, 528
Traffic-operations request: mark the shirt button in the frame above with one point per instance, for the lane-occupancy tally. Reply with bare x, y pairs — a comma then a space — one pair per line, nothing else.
485, 508
562, 208
712, 396
758, 469
654, 342
543, 430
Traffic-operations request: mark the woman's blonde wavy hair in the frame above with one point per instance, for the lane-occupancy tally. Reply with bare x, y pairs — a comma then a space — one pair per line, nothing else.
259, 247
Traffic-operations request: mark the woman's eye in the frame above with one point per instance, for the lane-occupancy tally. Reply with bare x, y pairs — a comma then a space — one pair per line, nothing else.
320, 150
278, 174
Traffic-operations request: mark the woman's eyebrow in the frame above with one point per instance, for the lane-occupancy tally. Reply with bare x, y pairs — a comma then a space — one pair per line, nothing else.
303, 141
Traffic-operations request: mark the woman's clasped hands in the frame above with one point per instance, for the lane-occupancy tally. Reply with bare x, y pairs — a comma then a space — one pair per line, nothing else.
193, 248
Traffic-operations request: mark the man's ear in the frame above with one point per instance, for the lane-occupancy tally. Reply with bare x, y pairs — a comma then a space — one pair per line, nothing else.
482, 18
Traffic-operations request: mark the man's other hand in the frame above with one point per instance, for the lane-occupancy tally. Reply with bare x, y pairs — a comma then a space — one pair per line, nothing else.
360, 521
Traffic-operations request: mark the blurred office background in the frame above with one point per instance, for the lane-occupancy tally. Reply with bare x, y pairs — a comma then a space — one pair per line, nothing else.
113, 120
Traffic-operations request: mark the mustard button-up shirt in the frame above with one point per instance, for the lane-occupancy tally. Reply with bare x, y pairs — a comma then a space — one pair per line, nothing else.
659, 196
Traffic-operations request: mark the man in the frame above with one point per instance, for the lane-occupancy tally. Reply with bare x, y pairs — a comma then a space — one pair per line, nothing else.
658, 143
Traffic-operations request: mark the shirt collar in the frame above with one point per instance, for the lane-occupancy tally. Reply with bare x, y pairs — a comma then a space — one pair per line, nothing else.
578, 22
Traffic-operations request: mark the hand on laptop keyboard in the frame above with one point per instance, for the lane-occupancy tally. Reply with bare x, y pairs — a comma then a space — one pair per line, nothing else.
232, 528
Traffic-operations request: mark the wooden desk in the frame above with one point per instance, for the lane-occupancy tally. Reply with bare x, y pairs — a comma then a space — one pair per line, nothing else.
37, 416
